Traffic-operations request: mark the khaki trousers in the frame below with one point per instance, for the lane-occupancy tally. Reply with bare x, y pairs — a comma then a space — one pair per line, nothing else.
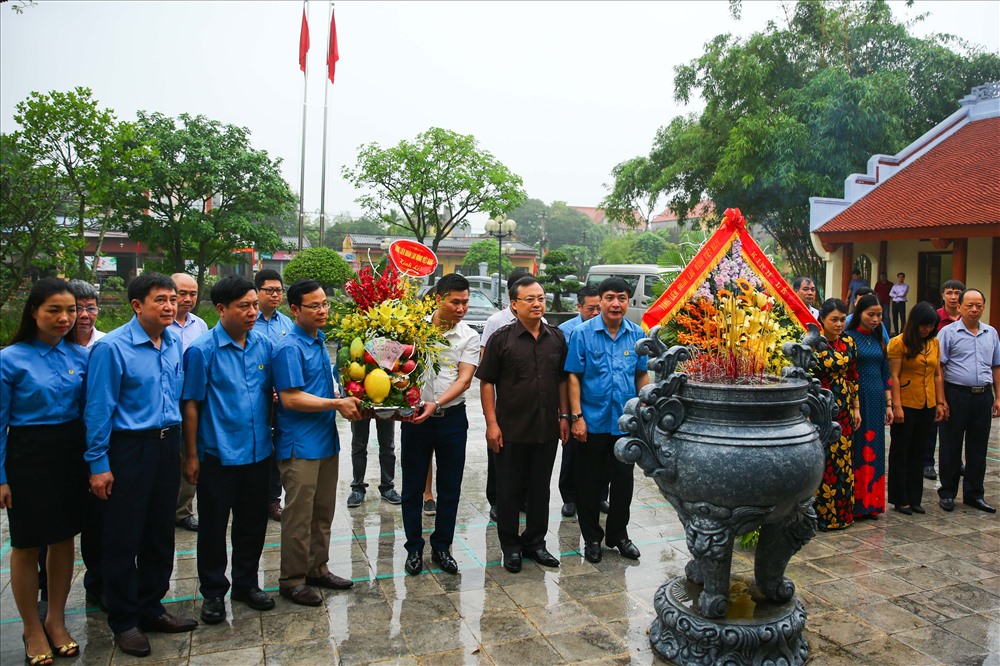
185, 499
310, 499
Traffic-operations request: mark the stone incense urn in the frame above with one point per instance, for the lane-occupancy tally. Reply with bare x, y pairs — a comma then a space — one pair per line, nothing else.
732, 459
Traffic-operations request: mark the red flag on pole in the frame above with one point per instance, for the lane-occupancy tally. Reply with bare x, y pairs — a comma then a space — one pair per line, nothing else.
334, 55
303, 41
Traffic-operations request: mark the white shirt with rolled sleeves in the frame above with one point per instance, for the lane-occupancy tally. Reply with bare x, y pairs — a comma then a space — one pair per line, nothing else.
497, 321
464, 349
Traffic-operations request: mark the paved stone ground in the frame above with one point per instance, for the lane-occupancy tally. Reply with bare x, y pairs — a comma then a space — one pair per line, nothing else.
914, 590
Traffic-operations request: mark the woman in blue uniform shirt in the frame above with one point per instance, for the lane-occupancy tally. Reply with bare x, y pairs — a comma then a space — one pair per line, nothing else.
43, 478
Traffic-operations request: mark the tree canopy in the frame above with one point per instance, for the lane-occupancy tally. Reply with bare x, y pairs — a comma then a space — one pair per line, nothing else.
485, 250
209, 191
793, 110
435, 181
321, 264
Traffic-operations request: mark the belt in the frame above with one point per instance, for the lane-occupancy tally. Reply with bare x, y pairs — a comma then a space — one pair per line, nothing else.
972, 389
441, 412
154, 433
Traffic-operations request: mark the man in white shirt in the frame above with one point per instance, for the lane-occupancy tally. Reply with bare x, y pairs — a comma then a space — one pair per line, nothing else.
188, 327
440, 428
86, 313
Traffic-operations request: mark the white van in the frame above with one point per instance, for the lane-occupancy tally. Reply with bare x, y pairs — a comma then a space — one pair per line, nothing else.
640, 278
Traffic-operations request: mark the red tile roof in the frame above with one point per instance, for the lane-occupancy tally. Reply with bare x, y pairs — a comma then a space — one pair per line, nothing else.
701, 209
956, 183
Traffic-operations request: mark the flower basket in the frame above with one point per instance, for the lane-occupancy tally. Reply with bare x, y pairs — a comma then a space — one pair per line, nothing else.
387, 342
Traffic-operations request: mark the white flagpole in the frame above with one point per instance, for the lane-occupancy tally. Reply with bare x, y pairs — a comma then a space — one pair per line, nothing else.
322, 180
302, 165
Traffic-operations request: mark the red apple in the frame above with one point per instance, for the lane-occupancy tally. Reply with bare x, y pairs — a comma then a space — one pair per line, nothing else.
408, 351
408, 366
369, 359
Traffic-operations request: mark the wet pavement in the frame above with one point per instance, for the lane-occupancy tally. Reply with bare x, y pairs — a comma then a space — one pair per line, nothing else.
914, 590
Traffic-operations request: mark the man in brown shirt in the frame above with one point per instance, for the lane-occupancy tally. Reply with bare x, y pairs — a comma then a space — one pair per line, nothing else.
523, 391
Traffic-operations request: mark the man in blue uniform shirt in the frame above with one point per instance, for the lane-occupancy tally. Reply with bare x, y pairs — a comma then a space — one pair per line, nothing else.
275, 326
188, 327
307, 447
606, 373
227, 445
132, 416
588, 305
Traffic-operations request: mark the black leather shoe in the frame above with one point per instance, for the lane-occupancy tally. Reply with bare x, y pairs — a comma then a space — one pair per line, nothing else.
605, 507
133, 642
444, 559
414, 563
213, 611
947, 503
512, 562
569, 509
917, 508
168, 624
929, 473
961, 470
330, 581
979, 504
255, 598
303, 595
905, 510
592, 552
542, 556
626, 549
493, 514
190, 524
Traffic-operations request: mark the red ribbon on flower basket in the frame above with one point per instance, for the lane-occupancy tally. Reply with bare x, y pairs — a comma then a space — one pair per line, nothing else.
681, 290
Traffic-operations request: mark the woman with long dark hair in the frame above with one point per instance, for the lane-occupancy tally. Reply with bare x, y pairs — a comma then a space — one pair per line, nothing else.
865, 328
917, 394
43, 478
836, 368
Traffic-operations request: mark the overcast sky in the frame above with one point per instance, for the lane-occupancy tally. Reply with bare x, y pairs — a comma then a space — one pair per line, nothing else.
558, 91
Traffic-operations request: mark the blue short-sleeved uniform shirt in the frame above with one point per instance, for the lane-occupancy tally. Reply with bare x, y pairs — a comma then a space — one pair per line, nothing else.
131, 385
570, 325
233, 386
275, 328
606, 368
301, 361
39, 385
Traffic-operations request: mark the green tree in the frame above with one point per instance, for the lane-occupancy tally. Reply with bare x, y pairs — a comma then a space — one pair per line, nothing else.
634, 248
31, 236
210, 191
345, 224
321, 264
792, 110
484, 250
552, 278
436, 181
580, 258
97, 161
557, 224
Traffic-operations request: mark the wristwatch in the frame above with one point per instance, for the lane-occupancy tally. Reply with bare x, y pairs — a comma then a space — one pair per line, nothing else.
576, 417
564, 416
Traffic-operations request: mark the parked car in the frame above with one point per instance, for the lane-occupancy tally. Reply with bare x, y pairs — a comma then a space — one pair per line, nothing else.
641, 280
480, 307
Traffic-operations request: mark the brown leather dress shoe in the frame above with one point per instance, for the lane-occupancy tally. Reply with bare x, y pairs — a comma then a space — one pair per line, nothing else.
133, 642
168, 624
274, 510
330, 581
301, 595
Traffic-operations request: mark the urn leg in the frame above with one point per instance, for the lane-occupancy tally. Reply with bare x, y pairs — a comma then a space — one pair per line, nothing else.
778, 542
711, 544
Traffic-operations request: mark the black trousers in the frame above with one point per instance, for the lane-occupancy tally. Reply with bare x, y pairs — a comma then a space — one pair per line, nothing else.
385, 432
906, 456
596, 467
930, 444
138, 539
567, 473
523, 469
898, 316
968, 424
273, 479
240, 490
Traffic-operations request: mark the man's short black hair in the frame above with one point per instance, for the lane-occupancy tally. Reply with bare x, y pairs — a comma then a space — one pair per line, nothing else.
862, 291
523, 281
141, 285
856, 272
265, 275
588, 290
901, 273
300, 289
799, 281
953, 284
451, 282
231, 288
615, 284
516, 275
961, 299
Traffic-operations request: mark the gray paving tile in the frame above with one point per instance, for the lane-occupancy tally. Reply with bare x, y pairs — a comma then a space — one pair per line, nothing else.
943, 645
593, 642
535, 650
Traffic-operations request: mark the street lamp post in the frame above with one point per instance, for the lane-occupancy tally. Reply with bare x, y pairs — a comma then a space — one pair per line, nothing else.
501, 227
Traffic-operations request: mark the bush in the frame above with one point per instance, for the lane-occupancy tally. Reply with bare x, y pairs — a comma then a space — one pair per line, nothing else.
321, 264
113, 285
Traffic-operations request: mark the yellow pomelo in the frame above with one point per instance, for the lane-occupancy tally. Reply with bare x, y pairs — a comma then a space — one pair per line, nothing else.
356, 372
377, 385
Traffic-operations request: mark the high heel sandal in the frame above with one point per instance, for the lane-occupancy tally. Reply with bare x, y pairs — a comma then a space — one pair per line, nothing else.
43, 659
70, 649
